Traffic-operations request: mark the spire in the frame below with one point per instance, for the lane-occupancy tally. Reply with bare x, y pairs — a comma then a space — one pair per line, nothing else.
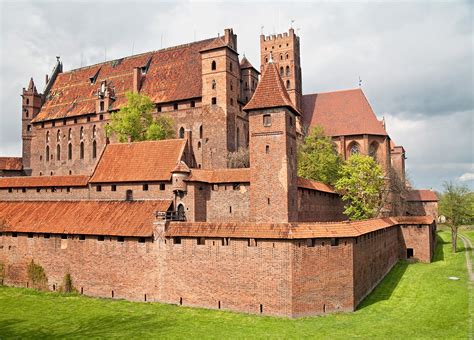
32, 87
270, 92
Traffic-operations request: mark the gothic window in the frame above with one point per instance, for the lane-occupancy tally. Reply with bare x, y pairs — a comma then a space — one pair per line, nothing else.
213, 65
94, 149
281, 71
286, 56
181, 132
81, 151
47, 137
373, 150
69, 151
94, 130
287, 84
82, 133
354, 149
287, 70
213, 84
58, 152
199, 145
69, 135
47, 153
200, 132
58, 136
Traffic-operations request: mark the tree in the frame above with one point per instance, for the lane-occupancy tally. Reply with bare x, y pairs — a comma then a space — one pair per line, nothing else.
318, 159
456, 205
238, 159
135, 121
361, 183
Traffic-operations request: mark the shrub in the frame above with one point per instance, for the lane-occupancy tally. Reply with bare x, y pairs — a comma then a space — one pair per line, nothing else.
37, 276
67, 286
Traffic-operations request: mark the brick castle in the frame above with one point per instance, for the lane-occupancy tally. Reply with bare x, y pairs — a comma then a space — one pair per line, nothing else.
168, 220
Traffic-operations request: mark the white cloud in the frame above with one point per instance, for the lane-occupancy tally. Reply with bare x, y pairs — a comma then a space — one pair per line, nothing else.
468, 176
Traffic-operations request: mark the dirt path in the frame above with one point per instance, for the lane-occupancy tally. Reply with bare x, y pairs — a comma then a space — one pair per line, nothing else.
468, 245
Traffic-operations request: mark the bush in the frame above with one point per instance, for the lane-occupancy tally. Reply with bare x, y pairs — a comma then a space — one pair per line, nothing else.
37, 276
67, 286
238, 159
2, 273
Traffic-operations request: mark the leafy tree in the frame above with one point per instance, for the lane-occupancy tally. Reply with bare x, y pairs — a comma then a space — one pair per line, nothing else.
456, 204
135, 121
318, 159
361, 184
238, 159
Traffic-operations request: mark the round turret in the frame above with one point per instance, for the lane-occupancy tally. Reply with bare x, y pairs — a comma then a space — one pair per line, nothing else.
179, 176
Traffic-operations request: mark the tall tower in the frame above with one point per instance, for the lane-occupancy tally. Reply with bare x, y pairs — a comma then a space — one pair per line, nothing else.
272, 148
31, 106
284, 50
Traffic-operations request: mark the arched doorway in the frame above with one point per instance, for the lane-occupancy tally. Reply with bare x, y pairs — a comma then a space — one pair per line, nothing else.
180, 210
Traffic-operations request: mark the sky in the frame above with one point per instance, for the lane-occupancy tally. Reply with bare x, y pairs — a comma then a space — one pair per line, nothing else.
415, 59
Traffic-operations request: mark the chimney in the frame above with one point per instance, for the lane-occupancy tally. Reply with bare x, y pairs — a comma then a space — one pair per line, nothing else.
229, 37
137, 80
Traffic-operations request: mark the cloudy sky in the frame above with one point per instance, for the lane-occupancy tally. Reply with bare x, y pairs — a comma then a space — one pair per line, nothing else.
415, 59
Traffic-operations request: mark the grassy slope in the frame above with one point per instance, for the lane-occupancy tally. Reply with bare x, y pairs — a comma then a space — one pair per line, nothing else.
414, 300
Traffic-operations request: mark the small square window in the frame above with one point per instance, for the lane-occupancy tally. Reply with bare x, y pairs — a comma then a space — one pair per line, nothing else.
193, 103
162, 186
145, 187
98, 188
120, 239
158, 108
100, 238
113, 187
63, 236
334, 241
201, 241
176, 240
267, 120
30, 235
10, 190
14, 234
175, 106
214, 100
23, 189
82, 237
141, 240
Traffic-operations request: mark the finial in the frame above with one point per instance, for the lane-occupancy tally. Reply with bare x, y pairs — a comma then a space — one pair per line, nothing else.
57, 58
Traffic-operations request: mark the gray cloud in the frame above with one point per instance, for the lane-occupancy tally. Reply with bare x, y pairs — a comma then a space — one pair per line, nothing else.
415, 59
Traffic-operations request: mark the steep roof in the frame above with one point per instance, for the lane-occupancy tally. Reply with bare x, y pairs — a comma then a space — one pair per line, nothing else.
270, 92
43, 181
115, 218
422, 195
173, 74
245, 63
288, 230
341, 113
138, 162
11, 163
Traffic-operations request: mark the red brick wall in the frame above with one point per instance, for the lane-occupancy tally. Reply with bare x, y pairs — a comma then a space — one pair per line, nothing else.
420, 238
31, 194
374, 255
319, 206
418, 208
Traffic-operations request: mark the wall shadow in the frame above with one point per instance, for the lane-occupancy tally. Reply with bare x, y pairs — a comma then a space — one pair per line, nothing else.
439, 252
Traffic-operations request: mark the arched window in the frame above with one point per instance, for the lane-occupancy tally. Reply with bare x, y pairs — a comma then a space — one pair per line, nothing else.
354, 149
373, 150
281, 56
81, 151
58, 152
286, 56
213, 84
180, 210
94, 149
282, 73
213, 65
266, 60
69, 151
58, 136
200, 132
47, 153
81, 135
287, 84
94, 131
47, 137
69, 135
199, 145
181, 132
287, 71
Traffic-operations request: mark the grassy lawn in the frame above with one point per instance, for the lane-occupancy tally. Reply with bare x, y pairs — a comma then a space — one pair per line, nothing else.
413, 301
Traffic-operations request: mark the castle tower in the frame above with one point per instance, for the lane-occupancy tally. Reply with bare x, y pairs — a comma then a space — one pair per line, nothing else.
249, 80
272, 148
220, 93
31, 106
284, 49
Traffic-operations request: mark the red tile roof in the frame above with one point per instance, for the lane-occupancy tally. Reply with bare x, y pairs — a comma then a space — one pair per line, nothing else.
341, 113
245, 63
44, 181
288, 230
181, 167
241, 175
174, 74
115, 218
139, 162
11, 163
314, 185
270, 92
421, 195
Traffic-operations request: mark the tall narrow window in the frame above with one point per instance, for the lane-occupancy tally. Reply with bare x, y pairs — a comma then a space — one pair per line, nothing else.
287, 84
200, 132
69, 151
69, 135
81, 135
94, 149
81, 152
213, 65
47, 137
287, 71
282, 73
213, 84
58, 152
58, 136
181, 132
102, 106
94, 132
47, 153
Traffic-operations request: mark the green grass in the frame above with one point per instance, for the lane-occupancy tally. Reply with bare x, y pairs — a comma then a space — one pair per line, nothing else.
413, 301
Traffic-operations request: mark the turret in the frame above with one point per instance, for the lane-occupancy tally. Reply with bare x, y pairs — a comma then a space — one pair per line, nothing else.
31, 106
179, 175
249, 80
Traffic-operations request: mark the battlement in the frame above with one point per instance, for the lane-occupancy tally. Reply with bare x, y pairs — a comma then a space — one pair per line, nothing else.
280, 36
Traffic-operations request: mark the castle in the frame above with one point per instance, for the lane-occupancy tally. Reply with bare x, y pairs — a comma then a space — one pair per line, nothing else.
168, 220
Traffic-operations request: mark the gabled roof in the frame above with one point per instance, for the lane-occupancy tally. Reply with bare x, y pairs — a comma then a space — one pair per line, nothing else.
341, 113
43, 181
270, 92
422, 195
241, 175
115, 218
138, 162
11, 163
173, 74
245, 63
